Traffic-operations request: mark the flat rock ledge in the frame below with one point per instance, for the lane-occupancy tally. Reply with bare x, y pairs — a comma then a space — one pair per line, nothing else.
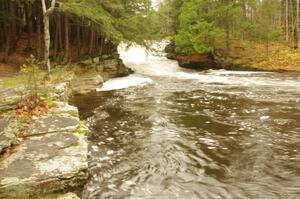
52, 158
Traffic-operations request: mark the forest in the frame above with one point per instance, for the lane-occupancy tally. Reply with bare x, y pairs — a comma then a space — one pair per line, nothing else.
261, 34
68, 30
199, 24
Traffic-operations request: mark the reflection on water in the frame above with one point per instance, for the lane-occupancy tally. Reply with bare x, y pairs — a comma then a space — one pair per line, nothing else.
194, 137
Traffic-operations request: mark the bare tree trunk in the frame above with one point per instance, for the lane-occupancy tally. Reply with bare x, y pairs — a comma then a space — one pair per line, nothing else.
91, 42
287, 20
297, 25
46, 14
78, 40
292, 36
55, 47
38, 30
28, 13
60, 39
8, 41
66, 22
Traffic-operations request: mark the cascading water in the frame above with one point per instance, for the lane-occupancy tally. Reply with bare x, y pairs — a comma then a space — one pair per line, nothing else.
168, 132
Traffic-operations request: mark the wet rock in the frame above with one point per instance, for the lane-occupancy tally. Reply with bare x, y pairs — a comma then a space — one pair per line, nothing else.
170, 48
44, 164
53, 124
86, 84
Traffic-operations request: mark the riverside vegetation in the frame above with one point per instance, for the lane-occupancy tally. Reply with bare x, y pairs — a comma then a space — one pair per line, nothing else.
259, 34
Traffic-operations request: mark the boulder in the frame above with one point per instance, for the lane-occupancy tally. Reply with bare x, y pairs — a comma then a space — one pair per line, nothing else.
86, 84
170, 48
115, 68
170, 51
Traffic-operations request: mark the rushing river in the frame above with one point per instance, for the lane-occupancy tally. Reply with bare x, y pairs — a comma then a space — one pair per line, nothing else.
167, 133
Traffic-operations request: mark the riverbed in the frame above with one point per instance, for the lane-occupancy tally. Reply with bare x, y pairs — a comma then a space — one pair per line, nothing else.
167, 132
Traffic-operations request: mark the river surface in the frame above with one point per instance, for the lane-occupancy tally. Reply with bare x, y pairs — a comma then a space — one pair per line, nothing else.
168, 133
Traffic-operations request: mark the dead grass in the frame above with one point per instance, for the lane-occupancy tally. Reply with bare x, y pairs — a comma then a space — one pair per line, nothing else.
13, 81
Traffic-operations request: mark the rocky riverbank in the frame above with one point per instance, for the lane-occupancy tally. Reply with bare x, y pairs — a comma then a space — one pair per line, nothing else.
242, 55
51, 156
48, 155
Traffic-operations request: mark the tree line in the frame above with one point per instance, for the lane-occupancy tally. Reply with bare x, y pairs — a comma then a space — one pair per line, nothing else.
65, 30
196, 25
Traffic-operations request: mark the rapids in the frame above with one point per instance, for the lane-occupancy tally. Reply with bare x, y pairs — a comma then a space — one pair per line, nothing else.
167, 132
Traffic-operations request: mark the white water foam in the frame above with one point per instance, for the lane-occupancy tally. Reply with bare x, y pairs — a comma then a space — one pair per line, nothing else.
146, 64
125, 82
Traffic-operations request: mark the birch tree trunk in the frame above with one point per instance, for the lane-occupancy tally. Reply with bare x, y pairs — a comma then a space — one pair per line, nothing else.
46, 15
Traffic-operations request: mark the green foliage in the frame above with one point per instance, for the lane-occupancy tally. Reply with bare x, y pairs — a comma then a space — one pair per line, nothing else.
197, 24
196, 38
266, 29
118, 20
95, 15
196, 34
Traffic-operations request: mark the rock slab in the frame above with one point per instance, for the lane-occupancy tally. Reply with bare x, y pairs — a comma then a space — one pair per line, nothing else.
51, 158
44, 164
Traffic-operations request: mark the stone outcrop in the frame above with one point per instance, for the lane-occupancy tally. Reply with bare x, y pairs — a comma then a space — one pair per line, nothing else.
100, 69
108, 66
86, 83
51, 158
113, 67
221, 59
170, 51
195, 61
